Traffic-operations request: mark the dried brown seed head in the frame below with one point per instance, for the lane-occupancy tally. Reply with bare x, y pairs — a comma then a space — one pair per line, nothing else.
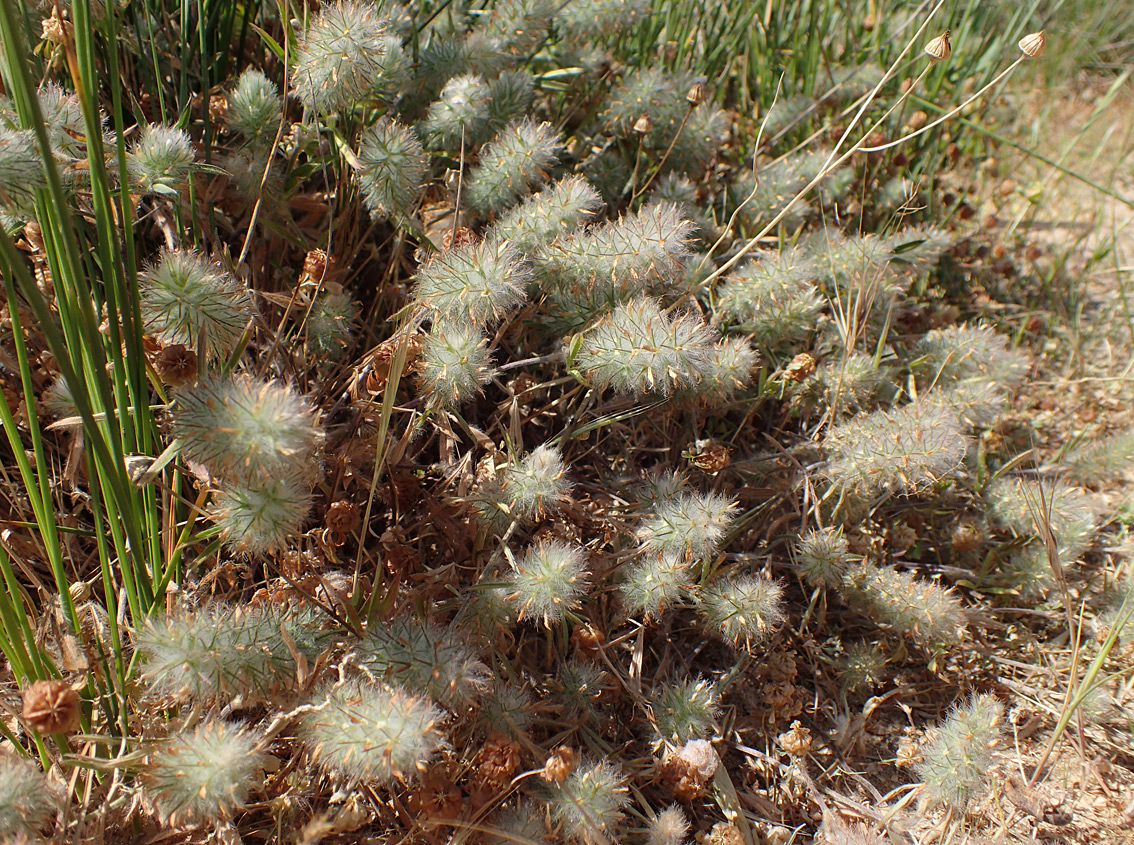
51, 707
560, 764
697, 94
802, 366
176, 365
643, 125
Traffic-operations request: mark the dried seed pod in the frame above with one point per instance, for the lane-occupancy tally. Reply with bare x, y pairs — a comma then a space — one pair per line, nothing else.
643, 125
801, 367
1032, 44
51, 707
559, 766
939, 48
176, 365
698, 93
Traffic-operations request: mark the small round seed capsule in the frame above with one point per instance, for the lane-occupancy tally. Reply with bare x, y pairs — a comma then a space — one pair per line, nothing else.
939, 48
1032, 44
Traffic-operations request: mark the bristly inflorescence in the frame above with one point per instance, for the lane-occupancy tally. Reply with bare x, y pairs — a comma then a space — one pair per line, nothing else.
188, 300
955, 762
362, 731
637, 349
475, 283
203, 776
347, 56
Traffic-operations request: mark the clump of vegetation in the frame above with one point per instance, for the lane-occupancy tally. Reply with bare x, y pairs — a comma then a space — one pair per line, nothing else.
435, 421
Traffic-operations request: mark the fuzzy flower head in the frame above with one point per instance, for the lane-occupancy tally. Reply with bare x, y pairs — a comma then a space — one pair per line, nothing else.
261, 516
588, 803
220, 652
455, 363
639, 350
743, 609
63, 117
604, 266
556, 210
21, 169
654, 583
392, 168
773, 298
203, 776
367, 732
537, 483
160, 160
245, 430
684, 711
689, 525
549, 580
28, 802
961, 353
424, 659
330, 323
729, 372
957, 759
460, 114
512, 163
188, 300
669, 827
930, 615
822, 556
255, 107
906, 450
348, 55
476, 283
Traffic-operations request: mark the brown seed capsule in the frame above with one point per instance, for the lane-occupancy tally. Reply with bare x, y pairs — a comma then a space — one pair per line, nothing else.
917, 120
697, 94
800, 368
708, 456
560, 764
643, 125
1032, 44
176, 365
939, 48
51, 707
342, 517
